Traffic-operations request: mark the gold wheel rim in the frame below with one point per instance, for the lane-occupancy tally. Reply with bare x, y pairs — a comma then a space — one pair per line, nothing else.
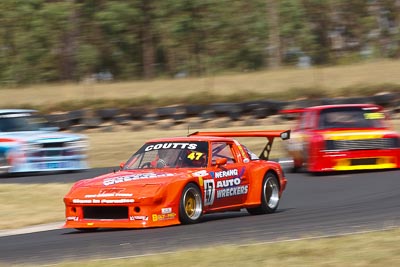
190, 204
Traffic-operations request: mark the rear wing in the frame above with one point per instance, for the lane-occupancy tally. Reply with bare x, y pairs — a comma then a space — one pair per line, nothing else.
290, 111
269, 134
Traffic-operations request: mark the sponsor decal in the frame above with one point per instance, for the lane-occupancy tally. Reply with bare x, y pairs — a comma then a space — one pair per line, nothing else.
111, 190
195, 155
228, 173
201, 173
139, 218
128, 178
228, 183
163, 217
102, 201
189, 146
233, 191
209, 192
117, 201
242, 152
201, 181
73, 218
109, 195
82, 201
374, 116
166, 210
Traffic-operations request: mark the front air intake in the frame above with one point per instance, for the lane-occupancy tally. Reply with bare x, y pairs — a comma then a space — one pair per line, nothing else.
105, 213
362, 144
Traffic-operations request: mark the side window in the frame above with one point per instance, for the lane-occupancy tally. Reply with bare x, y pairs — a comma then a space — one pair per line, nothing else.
307, 120
312, 117
303, 121
222, 150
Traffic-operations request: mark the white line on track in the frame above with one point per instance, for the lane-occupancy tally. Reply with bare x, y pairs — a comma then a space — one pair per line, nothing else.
32, 229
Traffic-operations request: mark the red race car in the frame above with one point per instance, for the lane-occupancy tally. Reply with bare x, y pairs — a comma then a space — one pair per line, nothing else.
176, 180
343, 137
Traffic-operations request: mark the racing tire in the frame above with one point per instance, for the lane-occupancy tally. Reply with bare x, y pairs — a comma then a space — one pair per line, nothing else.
190, 205
269, 195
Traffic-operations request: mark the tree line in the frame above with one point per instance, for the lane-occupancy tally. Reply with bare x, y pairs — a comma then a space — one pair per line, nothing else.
70, 40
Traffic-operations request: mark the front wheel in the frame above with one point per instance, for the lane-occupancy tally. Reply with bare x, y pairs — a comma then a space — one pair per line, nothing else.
269, 195
191, 204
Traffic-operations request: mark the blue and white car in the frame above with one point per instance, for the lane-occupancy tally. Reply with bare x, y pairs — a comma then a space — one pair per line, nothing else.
29, 144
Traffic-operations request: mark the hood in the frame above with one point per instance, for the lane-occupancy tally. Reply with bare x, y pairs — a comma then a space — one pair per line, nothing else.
42, 136
140, 183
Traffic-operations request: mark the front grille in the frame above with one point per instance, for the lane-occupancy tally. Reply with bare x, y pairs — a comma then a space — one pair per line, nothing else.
366, 161
52, 153
53, 145
105, 213
49, 150
362, 144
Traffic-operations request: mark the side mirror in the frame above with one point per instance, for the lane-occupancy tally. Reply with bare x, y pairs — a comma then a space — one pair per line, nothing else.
50, 129
221, 161
121, 165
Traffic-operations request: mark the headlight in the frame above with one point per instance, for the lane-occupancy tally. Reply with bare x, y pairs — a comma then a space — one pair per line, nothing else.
78, 144
29, 147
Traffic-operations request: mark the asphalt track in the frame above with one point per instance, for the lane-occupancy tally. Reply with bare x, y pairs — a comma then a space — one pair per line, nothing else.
311, 206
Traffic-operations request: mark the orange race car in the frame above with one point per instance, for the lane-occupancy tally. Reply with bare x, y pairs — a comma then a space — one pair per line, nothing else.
176, 180
343, 137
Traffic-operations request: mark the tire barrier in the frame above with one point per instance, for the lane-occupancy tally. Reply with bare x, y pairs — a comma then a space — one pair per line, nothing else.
167, 112
386, 99
137, 113
215, 115
76, 116
347, 100
194, 110
107, 114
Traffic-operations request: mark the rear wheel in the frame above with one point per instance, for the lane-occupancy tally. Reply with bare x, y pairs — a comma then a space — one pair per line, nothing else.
191, 204
269, 195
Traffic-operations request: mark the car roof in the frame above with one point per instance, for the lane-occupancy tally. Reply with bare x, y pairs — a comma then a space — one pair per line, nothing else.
11, 111
190, 139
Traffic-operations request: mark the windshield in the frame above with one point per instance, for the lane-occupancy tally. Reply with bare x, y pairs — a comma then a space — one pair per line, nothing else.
18, 122
352, 117
170, 155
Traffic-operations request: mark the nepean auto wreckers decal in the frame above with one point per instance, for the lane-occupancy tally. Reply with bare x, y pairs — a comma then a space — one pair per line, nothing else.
226, 183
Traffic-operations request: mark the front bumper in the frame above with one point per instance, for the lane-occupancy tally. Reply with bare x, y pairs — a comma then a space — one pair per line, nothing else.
355, 160
51, 165
133, 216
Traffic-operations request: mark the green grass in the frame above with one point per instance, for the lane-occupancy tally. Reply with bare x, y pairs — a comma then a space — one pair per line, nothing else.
368, 249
